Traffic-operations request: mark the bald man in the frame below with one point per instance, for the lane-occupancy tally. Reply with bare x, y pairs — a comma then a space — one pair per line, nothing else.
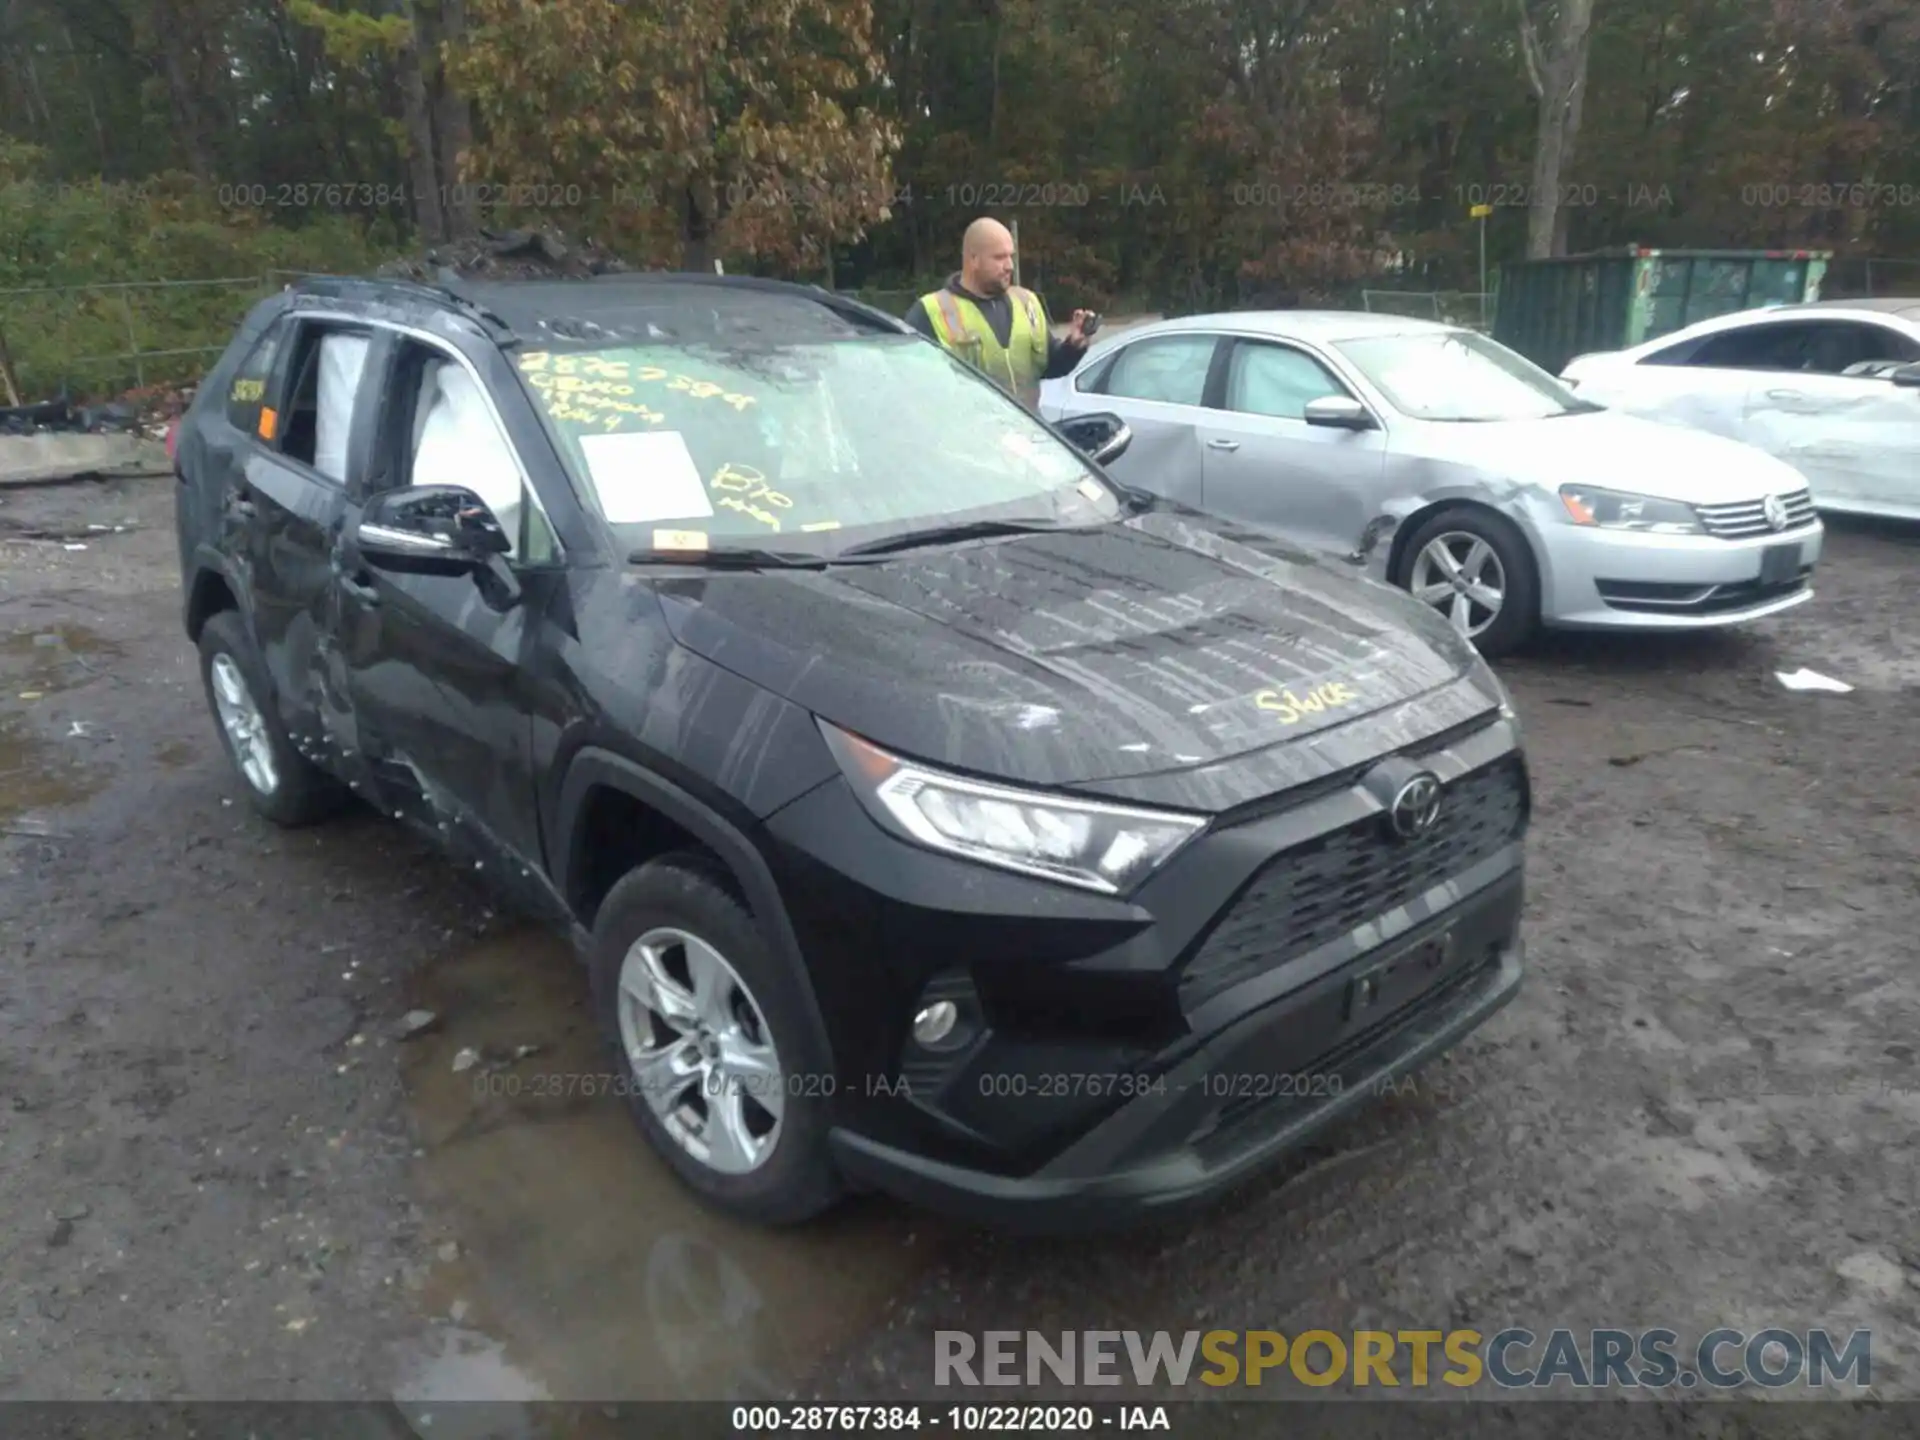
998, 327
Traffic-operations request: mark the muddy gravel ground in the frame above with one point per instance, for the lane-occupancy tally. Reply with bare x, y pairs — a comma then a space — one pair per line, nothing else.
223, 1175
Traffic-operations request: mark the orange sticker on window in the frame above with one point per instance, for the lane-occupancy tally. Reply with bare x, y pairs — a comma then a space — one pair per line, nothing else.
268, 420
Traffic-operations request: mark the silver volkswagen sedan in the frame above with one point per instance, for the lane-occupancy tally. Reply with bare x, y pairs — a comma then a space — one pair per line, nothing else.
1446, 464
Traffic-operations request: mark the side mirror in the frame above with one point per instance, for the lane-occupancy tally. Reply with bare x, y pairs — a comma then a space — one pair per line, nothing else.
1908, 375
1100, 437
1338, 412
431, 530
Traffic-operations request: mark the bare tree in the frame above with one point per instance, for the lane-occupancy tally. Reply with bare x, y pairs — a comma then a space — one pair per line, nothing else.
1558, 76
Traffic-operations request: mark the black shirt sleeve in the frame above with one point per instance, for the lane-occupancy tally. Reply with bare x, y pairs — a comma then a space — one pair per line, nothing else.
1061, 358
917, 317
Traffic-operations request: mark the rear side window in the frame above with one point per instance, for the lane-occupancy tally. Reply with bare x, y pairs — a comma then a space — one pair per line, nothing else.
317, 408
1759, 347
247, 391
1171, 369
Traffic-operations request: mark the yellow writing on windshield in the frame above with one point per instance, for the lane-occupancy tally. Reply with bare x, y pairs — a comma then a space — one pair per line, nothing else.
590, 372
747, 486
609, 415
749, 481
575, 385
590, 402
747, 507
1291, 707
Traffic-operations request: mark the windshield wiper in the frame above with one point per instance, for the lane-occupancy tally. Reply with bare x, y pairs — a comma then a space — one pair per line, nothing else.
733, 558
946, 534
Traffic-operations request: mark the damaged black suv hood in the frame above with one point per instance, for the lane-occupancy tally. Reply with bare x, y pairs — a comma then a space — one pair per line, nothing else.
1073, 657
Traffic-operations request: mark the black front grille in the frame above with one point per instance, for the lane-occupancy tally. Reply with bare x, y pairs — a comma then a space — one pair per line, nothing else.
1337, 882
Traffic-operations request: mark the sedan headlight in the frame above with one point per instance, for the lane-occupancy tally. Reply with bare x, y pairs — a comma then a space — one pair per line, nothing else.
1619, 510
1088, 843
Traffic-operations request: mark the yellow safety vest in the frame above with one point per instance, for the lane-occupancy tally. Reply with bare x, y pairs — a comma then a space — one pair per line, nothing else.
962, 328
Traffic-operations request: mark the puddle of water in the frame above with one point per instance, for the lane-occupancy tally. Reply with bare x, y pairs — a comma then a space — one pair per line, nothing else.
55, 657
600, 1277
36, 773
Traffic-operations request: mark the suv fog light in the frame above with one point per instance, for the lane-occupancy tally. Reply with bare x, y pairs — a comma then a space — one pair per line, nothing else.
936, 1022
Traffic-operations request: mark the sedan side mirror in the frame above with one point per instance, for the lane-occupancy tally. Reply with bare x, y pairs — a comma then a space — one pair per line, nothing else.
431, 530
1908, 375
1100, 437
1338, 412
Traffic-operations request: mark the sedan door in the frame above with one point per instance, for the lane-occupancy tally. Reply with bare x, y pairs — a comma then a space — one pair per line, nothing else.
1157, 384
1853, 436
1703, 382
1265, 463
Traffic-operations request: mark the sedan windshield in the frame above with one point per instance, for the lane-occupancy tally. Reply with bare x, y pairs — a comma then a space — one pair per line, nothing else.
779, 447
1461, 376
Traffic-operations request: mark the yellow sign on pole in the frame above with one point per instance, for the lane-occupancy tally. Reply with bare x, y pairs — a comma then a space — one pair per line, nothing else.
1480, 212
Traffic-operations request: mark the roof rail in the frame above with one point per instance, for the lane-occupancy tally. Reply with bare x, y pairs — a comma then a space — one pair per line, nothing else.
449, 292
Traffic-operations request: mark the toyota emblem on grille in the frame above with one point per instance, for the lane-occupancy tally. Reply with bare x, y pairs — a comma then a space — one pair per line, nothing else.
1416, 806
1775, 509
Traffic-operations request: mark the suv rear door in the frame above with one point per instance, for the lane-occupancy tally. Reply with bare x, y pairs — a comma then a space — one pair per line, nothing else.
287, 500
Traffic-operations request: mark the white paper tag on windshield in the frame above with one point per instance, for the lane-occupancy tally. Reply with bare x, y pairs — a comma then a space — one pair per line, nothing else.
645, 476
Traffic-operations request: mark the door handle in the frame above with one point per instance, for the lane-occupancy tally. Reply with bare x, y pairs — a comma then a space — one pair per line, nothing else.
1785, 395
1223, 444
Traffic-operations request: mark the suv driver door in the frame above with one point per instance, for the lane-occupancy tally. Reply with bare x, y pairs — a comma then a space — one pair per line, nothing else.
431, 669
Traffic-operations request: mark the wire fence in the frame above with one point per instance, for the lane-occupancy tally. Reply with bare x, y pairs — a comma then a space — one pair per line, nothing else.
1863, 278
91, 341
1452, 307
87, 341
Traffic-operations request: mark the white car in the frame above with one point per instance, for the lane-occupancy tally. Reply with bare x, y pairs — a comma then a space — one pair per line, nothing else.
1444, 463
1832, 388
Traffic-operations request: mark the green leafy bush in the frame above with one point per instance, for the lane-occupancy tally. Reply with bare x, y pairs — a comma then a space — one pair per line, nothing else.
82, 266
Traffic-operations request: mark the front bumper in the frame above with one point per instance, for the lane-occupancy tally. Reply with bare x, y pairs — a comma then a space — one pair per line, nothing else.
1259, 1090
1611, 579
1122, 1055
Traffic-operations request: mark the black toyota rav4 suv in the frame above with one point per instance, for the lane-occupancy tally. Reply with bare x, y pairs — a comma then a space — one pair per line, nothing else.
935, 814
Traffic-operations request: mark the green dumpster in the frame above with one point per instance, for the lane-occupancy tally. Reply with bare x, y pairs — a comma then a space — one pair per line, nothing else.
1552, 310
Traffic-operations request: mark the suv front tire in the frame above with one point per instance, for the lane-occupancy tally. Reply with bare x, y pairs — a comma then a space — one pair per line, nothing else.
719, 1065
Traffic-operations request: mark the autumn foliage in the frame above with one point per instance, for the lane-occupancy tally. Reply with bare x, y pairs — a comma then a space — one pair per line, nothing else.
1182, 153
694, 128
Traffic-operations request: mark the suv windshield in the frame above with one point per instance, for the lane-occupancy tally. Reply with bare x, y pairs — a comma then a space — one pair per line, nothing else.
1459, 375
772, 447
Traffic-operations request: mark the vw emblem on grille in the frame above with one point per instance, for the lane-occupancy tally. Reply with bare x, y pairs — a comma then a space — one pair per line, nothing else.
1775, 509
1416, 806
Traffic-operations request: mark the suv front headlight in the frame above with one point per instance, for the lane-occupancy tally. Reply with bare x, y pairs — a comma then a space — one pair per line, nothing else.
1620, 510
1088, 843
